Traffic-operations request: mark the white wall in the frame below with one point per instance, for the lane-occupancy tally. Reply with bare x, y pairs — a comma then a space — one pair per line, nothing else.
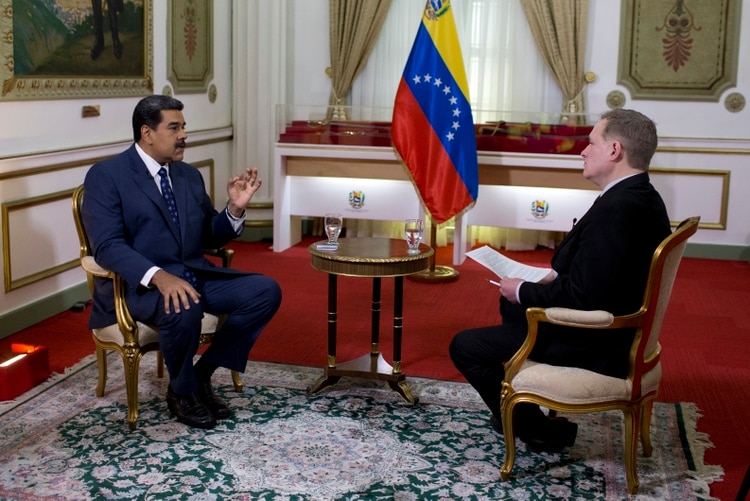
29, 127
673, 118
46, 148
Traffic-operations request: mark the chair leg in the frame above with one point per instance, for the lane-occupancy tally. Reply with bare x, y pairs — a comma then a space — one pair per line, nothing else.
632, 425
101, 362
159, 364
131, 386
506, 410
646, 411
237, 380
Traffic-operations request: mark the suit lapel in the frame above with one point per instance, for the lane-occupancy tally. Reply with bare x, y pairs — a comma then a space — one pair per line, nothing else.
570, 236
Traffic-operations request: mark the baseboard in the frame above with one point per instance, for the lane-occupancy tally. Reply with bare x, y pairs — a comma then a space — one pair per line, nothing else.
35, 312
723, 252
256, 234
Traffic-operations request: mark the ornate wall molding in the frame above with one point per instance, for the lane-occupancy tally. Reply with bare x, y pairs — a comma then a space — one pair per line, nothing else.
679, 49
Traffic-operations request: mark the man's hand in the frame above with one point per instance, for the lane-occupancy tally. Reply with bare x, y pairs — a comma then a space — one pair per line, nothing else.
177, 292
241, 189
508, 287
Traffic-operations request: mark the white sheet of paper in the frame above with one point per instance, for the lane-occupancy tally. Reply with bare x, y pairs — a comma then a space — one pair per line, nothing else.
503, 266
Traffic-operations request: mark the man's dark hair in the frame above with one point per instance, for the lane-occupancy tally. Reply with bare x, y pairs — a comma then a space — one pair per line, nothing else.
635, 131
148, 112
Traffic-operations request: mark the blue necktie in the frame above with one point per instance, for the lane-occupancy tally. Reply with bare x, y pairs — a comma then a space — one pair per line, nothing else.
168, 194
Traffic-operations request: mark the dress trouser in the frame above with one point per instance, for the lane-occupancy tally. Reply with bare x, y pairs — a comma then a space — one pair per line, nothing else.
479, 354
250, 302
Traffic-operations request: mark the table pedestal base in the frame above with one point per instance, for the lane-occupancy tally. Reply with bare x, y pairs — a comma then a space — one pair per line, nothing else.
374, 258
442, 274
371, 366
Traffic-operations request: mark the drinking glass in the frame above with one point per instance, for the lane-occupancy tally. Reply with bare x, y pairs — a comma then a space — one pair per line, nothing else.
413, 233
333, 223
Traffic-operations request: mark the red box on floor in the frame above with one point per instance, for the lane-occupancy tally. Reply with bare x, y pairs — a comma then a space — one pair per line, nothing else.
20, 375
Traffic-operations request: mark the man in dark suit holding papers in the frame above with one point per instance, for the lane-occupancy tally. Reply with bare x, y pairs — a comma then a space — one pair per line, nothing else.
148, 218
601, 264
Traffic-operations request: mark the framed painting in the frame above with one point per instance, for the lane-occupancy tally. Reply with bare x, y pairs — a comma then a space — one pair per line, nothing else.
190, 45
679, 49
60, 49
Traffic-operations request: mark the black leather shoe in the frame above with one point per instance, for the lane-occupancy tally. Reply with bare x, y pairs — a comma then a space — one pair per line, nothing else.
558, 434
213, 403
189, 409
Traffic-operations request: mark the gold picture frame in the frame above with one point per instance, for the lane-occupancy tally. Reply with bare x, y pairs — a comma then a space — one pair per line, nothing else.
190, 63
72, 52
679, 49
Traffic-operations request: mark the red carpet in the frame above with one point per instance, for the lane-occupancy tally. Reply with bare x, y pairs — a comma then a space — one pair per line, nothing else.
705, 334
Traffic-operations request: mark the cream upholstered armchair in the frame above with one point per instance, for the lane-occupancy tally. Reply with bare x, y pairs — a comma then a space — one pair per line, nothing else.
129, 338
569, 389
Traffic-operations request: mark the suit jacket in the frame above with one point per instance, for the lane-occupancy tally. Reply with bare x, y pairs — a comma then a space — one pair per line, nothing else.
602, 263
130, 229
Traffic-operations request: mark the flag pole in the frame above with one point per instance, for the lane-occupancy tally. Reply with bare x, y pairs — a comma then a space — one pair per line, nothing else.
434, 274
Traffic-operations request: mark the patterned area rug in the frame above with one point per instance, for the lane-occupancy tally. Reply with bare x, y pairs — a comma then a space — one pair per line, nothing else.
355, 441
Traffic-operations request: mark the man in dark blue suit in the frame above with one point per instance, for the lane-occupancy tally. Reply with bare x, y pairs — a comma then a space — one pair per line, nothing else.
149, 218
601, 264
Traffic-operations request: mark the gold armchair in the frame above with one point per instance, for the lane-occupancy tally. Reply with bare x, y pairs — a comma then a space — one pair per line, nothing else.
569, 389
129, 338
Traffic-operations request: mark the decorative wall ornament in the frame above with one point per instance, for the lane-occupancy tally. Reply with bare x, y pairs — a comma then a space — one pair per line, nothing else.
734, 102
679, 49
190, 45
677, 41
212, 93
616, 99
55, 53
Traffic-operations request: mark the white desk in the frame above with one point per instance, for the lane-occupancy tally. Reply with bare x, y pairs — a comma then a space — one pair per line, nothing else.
310, 180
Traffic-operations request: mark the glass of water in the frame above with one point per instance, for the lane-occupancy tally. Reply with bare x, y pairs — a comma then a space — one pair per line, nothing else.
413, 233
333, 223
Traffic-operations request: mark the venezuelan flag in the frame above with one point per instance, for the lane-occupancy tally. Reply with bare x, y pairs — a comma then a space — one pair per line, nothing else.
432, 126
